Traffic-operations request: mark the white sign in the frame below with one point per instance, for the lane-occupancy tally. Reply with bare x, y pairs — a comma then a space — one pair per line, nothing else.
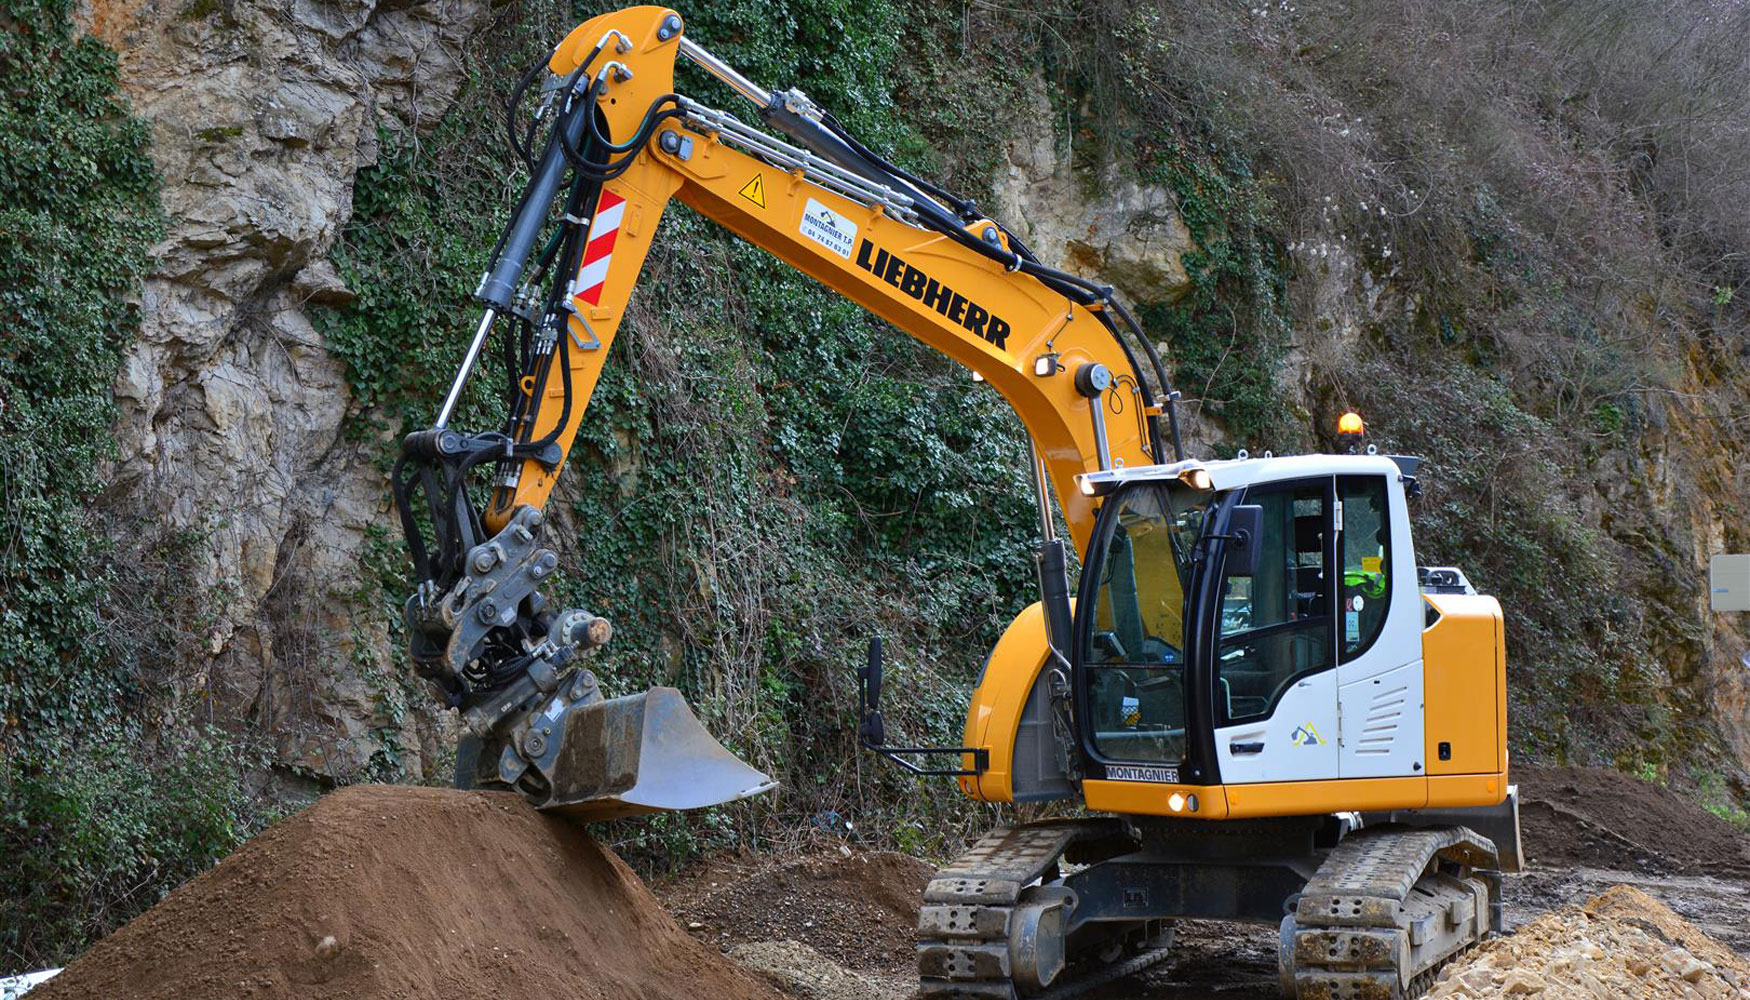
1728, 582
830, 229
12, 987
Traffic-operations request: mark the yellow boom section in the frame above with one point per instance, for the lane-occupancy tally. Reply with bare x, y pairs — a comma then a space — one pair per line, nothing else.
963, 304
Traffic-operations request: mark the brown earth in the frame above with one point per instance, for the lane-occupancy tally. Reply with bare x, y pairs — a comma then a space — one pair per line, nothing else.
858, 907
1607, 819
379, 892
395, 893
1585, 831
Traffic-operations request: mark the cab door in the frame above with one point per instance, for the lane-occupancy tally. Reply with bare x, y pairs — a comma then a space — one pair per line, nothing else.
1130, 656
1275, 683
1379, 673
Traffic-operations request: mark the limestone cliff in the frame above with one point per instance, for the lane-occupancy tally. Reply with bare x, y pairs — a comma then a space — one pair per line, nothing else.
232, 410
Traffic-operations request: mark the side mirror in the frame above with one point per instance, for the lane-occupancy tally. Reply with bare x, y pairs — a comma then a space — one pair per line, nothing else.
870, 731
1245, 535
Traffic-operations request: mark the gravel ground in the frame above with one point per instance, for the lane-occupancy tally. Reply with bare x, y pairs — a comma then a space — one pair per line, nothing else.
1585, 833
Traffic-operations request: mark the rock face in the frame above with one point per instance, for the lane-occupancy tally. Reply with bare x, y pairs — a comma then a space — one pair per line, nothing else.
262, 113
1101, 224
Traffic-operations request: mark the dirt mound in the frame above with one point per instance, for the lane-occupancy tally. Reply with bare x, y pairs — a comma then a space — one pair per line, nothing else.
1582, 816
385, 893
860, 908
1624, 943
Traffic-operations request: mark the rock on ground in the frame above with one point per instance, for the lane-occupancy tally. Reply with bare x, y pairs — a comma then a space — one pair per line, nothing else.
1623, 943
807, 974
856, 907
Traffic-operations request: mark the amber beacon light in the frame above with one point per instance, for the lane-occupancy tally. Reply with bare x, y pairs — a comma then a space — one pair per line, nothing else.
1349, 430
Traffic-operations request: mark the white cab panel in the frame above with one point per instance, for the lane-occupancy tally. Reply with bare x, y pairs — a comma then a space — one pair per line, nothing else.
1382, 724
1300, 737
1400, 640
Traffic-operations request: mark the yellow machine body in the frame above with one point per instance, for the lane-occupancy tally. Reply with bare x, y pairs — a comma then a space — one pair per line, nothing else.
1465, 682
999, 325
921, 282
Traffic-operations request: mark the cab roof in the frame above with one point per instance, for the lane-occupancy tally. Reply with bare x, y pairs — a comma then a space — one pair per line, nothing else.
1227, 474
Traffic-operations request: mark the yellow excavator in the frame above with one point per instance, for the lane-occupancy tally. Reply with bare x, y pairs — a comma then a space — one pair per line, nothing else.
1254, 705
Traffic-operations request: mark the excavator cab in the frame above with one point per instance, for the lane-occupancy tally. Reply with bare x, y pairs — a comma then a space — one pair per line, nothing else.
1132, 648
1254, 623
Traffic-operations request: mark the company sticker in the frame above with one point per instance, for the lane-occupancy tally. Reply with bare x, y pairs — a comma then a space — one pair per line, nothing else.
1159, 775
830, 229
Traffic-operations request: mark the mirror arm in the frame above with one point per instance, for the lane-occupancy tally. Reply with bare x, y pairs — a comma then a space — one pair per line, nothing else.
980, 760
872, 732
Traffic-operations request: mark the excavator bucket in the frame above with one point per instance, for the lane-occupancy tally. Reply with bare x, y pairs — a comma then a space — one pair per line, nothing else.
642, 753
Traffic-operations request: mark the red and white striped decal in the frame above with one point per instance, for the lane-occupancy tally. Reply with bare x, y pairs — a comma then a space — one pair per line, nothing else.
598, 253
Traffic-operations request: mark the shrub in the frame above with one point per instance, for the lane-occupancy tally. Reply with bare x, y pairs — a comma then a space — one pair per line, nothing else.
96, 829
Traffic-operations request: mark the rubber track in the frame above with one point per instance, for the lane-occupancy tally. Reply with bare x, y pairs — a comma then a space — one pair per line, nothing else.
963, 925
1351, 922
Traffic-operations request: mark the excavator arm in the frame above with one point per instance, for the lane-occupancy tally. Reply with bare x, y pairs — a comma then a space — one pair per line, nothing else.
620, 145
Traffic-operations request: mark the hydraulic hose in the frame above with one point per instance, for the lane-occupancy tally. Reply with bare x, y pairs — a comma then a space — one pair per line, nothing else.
860, 158
500, 283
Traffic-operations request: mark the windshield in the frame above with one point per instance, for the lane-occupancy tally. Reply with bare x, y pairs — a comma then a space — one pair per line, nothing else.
1134, 647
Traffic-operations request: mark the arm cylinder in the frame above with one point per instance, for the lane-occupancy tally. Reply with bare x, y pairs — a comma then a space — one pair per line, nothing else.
725, 72
499, 284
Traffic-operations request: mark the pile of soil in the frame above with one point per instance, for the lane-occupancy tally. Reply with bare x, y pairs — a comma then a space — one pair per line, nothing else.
1581, 816
1623, 943
394, 893
858, 907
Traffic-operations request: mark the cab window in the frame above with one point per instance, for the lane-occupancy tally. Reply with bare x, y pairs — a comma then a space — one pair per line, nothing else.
1134, 648
1366, 583
1276, 624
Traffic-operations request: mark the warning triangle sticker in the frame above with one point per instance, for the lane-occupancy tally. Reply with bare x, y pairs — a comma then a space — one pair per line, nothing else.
755, 190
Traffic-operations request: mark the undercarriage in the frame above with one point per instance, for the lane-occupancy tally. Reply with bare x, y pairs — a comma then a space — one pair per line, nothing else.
1051, 909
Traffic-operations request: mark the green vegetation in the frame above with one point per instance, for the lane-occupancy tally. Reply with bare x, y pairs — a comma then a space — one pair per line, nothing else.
766, 478
1710, 788
1502, 235
1230, 336
108, 799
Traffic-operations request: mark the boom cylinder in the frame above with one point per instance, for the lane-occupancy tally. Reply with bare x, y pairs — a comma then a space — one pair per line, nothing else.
499, 284
1053, 566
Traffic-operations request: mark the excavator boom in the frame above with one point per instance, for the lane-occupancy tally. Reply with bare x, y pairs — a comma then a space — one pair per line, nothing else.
620, 145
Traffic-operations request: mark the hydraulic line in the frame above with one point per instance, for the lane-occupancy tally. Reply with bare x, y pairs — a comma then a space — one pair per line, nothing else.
821, 135
510, 111
577, 145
